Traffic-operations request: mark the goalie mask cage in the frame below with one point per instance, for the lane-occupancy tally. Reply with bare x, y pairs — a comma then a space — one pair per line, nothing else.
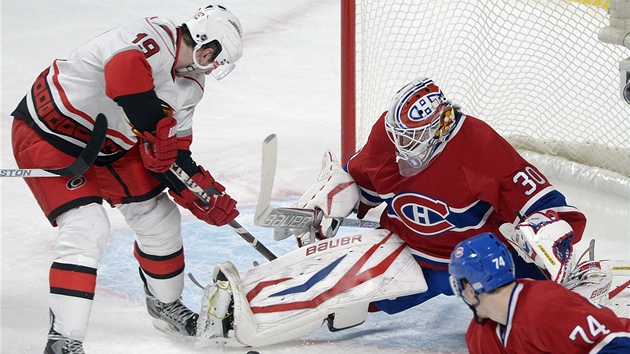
532, 69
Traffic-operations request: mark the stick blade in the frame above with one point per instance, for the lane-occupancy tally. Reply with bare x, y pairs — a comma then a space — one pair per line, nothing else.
89, 153
267, 176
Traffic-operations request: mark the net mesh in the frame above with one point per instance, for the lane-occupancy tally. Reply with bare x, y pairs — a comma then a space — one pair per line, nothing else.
534, 70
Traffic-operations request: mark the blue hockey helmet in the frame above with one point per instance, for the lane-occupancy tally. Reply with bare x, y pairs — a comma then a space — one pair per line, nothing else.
483, 261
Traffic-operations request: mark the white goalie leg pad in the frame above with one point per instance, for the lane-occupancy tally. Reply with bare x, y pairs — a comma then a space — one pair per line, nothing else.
619, 295
246, 330
348, 316
293, 295
335, 193
591, 279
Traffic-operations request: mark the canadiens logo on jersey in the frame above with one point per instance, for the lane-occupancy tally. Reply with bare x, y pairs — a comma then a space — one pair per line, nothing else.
429, 216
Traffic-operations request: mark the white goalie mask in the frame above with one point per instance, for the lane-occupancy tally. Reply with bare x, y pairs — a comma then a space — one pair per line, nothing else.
216, 23
418, 122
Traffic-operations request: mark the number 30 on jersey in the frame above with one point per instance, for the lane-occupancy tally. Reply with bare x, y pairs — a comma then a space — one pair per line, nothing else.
530, 179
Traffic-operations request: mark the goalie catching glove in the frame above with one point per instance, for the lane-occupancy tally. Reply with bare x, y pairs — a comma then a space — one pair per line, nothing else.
220, 209
333, 197
543, 239
159, 150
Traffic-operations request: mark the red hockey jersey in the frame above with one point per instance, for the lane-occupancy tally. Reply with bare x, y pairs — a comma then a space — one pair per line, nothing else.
544, 317
68, 95
477, 183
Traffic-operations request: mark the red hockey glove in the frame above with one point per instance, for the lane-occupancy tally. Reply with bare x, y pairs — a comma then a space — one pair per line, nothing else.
159, 151
221, 209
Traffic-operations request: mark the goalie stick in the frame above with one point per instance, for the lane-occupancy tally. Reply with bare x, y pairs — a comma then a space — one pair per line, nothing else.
79, 166
283, 219
205, 198
280, 217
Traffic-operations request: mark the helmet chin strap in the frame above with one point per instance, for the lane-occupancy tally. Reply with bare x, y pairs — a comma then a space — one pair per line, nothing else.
473, 308
187, 69
195, 64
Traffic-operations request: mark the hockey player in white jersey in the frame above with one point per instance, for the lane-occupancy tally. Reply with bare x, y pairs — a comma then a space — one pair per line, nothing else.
146, 77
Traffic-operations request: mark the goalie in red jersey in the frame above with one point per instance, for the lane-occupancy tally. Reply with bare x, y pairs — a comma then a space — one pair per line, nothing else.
527, 316
444, 177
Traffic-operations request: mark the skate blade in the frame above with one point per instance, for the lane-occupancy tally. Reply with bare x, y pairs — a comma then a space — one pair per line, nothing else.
167, 328
204, 340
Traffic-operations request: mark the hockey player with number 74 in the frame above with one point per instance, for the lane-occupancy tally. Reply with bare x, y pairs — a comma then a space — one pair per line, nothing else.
146, 77
444, 177
527, 316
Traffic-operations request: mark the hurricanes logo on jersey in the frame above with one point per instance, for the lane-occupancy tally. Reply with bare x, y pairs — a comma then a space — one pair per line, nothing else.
75, 183
429, 217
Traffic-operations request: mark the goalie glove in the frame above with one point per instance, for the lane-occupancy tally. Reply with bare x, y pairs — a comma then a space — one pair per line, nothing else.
543, 239
333, 196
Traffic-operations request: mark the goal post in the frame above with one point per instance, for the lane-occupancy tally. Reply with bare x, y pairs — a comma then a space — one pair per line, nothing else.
532, 69
348, 79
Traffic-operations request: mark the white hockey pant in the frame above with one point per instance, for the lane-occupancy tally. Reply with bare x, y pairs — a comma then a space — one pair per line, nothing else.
159, 248
83, 235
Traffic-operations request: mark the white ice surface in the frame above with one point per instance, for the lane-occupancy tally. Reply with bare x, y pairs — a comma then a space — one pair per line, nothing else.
287, 83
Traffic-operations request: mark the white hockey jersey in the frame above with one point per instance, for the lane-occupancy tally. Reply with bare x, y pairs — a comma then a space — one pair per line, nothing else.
67, 96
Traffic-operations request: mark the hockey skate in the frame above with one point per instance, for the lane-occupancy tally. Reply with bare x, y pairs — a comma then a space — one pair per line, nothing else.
172, 318
58, 344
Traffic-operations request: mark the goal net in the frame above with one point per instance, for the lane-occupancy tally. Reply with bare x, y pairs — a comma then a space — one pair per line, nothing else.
533, 69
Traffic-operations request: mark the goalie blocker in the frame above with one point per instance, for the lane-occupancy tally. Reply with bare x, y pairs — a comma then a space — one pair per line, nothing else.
335, 194
334, 279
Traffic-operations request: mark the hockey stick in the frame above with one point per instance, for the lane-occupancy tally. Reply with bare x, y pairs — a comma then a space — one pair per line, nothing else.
279, 218
79, 166
205, 199
283, 219
267, 176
